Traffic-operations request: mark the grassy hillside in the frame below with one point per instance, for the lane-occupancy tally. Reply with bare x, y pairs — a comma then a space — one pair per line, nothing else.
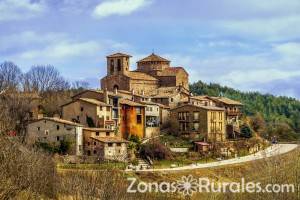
275, 110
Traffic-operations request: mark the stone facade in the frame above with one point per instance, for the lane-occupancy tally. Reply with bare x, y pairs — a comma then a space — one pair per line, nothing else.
152, 73
206, 122
103, 144
54, 130
89, 112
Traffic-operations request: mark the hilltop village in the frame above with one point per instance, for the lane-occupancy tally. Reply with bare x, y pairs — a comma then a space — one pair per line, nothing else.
146, 103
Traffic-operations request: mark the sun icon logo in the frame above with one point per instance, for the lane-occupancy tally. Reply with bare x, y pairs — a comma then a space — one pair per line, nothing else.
187, 185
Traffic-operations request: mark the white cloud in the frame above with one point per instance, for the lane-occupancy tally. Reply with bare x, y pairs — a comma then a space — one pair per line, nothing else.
29, 38
275, 28
118, 7
63, 50
20, 9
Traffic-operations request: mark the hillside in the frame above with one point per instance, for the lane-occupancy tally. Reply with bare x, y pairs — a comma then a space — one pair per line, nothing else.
275, 110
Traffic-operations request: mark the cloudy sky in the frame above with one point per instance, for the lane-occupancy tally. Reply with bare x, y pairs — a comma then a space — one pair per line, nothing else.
245, 44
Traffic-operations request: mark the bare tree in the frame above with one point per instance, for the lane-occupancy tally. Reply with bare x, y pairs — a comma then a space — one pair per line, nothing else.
10, 76
43, 79
80, 85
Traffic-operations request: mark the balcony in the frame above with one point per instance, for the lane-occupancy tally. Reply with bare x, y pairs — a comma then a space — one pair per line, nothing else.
233, 112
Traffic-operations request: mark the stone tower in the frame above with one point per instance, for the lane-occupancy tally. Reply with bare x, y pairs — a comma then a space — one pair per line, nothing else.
117, 64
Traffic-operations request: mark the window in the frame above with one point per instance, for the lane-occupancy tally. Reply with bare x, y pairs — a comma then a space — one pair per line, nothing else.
57, 138
110, 144
95, 152
112, 67
97, 133
57, 127
220, 126
81, 109
196, 126
119, 65
138, 110
95, 143
118, 144
196, 115
107, 134
38, 128
107, 108
139, 119
220, 116
88, 152
46, 132
100, 108
78, 118
172, 99
88, 143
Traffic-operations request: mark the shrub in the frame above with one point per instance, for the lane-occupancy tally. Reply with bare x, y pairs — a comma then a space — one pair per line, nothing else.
246, 132
155, 150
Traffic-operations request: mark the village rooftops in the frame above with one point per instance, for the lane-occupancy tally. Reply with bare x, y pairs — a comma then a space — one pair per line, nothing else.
154, 103
98, 129
131, 103
226, 101
111, 94
203, 107
94, 101
115, 55
109, 139
153, 58
58, 120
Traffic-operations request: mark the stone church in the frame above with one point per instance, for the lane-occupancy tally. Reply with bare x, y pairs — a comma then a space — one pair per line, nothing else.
152, 73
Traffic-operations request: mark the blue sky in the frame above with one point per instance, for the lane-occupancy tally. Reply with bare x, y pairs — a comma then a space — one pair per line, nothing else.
251, 45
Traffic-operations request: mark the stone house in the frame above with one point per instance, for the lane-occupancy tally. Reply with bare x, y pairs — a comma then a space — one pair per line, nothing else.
111, 98
233, 114
89, 112
104, 144
55, 130
132, 119
205, 122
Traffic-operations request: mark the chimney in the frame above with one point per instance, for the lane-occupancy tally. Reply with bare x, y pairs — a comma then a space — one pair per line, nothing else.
105, 93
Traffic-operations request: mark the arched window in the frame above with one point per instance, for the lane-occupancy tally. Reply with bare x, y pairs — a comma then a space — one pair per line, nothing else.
116, 87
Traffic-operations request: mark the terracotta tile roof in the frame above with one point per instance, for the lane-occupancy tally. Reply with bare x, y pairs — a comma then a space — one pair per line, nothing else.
97, 91
110, 139
154, 103
226, 101
203, 97
94, 101
118, 55
153, 57
98, 129
172, 71
130, 93
130, 103
140, 76
58, 120
203, 107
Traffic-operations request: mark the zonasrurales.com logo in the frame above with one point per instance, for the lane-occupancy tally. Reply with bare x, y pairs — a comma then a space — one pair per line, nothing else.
187, 185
